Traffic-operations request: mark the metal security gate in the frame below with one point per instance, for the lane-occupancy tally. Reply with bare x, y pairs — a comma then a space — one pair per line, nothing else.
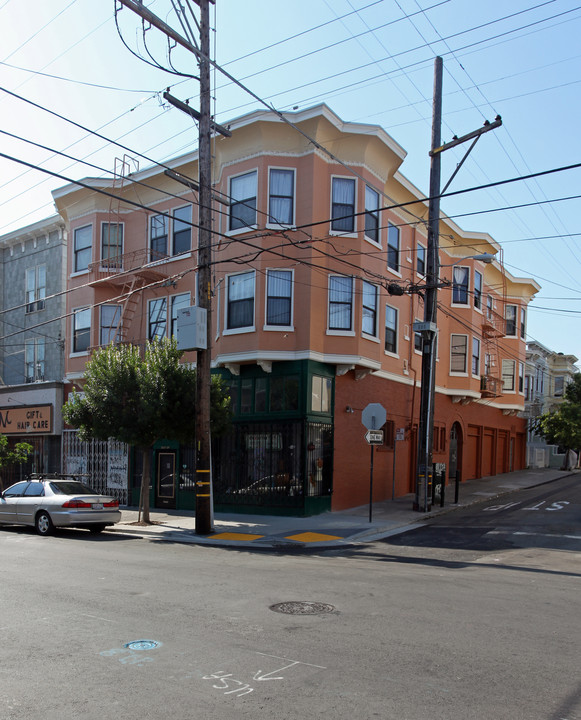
260, 464
105, 464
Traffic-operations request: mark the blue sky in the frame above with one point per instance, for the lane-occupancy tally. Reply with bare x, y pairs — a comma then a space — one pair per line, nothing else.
371, 61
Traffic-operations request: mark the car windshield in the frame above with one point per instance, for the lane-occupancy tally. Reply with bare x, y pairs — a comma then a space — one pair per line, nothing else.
69, 487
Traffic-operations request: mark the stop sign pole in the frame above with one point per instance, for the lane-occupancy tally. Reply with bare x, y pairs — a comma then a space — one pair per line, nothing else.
373, 418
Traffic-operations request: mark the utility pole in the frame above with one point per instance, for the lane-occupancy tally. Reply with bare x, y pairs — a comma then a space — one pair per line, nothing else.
429, 333
203, 378
429, 328
203, 382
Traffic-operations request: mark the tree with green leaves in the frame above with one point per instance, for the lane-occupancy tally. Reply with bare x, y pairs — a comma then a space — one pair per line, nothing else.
562, 426
140, 400
13, 455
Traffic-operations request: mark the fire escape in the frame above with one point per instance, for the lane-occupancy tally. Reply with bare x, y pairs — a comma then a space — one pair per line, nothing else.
124, 274
493, 328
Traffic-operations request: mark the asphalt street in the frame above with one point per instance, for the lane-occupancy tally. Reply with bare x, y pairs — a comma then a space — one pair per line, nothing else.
475, 616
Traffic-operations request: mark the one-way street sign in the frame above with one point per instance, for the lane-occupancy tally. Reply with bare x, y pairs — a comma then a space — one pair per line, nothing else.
374, 437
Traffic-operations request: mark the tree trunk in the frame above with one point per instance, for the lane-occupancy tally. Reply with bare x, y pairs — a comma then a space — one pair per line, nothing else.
145, 480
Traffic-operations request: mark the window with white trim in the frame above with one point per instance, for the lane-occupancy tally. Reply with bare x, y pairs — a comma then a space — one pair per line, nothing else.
35, 288
279, 288
421, 260
391, 314
340, 302
393, 247
240, 301
523, 322
281, 188
460, 284
369, 303
182, 230
418, 339
177, 302
34, 355
82, 248
458, 353
158, 236
475, 356
559, 383
371, 214
343, 205
521, 377
477, 290
112, 243
243, 193
508, 368
109, 324
510, 318
157, 319
81, 329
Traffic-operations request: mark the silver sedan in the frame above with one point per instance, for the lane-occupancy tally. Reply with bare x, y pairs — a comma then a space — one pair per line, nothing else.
59, 501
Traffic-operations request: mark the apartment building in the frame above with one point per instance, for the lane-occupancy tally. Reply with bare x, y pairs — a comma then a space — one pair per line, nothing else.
319, 251
546, 378
32, 307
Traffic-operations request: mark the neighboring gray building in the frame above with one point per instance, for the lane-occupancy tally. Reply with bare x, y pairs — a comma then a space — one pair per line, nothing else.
547, 374
32, 326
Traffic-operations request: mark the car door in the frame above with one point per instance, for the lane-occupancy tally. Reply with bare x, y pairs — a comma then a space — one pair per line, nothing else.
27, 504
8, 501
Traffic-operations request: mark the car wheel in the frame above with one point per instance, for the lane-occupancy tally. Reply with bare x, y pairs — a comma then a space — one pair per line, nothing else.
43, 523
96, 529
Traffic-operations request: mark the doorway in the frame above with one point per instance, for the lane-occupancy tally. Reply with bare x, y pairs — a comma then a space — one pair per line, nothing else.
165, 484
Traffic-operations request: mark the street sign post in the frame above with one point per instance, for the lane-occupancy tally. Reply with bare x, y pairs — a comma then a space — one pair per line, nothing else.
373, 417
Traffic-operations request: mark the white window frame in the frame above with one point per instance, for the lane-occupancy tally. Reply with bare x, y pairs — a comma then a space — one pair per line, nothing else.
418, 339
76, 270
459, 373
35, 288
34, 360
475, 357
373, 212
508, 387
391, 229
375, 334
184, 300
523, 322
241, 201
395, 330
78, 313
188, 223
514, 320
164, 219
477, 292
336, 231
107, 261
272, 223
278, 327
461, 287
161, 303
340, 331
425, 260
113, 331
244, 328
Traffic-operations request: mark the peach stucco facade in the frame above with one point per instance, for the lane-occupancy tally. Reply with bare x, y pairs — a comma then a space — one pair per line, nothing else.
312, 223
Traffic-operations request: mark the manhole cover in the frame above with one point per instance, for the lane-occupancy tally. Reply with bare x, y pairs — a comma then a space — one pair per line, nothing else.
142, 645
302, 608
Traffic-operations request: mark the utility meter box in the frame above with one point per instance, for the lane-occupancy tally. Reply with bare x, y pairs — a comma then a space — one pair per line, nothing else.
191, 324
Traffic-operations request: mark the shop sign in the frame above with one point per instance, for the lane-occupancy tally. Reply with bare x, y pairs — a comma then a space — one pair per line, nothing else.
22, 420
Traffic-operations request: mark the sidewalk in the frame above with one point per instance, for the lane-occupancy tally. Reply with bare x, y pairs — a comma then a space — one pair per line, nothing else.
331, 529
